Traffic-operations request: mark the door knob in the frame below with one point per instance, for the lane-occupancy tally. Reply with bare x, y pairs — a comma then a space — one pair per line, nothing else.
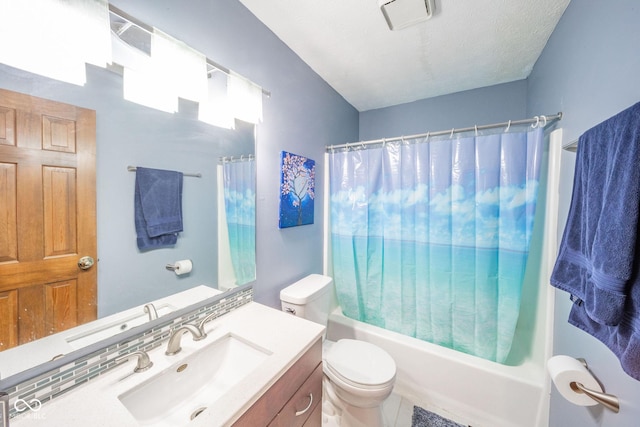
85, 263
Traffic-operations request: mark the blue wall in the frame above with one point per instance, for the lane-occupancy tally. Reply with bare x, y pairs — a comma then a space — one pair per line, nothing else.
589, 70
493, 104
303, 114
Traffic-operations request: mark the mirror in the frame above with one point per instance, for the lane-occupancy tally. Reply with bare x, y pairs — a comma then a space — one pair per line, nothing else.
92, 334
131, 134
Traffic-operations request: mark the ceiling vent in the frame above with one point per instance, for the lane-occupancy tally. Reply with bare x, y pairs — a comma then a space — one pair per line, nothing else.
400, 14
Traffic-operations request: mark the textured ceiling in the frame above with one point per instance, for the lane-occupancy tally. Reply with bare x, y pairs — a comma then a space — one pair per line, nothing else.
467, 44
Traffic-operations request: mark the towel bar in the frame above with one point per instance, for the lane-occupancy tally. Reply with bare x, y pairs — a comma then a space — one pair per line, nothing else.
195, 175
571, 146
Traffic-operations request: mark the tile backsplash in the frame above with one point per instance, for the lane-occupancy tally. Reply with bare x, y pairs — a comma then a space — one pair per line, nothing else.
40, 389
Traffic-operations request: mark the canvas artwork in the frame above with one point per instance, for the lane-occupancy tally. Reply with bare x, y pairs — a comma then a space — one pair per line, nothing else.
297, 190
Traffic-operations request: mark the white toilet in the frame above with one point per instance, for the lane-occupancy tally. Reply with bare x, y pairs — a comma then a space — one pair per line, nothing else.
358, 376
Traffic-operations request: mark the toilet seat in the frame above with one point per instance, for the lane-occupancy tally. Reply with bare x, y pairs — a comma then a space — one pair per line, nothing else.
360, 364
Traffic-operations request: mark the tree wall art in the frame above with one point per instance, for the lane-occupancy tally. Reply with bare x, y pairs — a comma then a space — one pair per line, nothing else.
297, 190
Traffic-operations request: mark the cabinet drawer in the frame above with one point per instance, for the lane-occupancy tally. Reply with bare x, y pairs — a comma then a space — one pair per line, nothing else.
302, 403
315, 419
267, 407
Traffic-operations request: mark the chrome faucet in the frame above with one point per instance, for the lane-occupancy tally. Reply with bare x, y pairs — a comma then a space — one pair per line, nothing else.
173, 347
150, 309
143, 363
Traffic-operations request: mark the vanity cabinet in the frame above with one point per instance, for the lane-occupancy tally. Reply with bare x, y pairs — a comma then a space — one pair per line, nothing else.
295, 400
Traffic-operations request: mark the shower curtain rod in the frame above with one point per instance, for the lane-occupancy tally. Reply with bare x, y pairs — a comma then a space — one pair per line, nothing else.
535, 121
233, 159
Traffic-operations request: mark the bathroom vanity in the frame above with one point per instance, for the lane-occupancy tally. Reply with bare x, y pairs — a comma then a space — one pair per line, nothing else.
257, 366
295, 399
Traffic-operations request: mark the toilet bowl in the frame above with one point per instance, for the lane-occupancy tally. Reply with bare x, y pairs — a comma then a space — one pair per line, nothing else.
358, 376
362, 374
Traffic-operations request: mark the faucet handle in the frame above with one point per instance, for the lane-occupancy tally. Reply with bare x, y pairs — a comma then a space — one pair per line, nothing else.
143, 363
150, 309
203, 322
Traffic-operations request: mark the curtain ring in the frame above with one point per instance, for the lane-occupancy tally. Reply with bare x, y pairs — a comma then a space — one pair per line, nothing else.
537, 122
362, 145
402, 140
241, 157
428, 135
451, 136
544, 121
508, 126
384, 142
476, 127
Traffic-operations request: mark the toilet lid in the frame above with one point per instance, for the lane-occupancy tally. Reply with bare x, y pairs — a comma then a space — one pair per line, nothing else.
361, 362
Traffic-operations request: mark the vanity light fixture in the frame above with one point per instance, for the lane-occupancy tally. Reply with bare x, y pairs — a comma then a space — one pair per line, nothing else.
401, 14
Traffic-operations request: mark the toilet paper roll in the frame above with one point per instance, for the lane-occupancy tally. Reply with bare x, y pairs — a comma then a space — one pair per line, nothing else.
183, 267
565, 370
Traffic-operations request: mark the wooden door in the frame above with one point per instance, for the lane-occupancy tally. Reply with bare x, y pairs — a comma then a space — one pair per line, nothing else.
47, 217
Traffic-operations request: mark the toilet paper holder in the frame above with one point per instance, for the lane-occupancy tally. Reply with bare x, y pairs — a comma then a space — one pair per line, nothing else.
180, 267
608, 400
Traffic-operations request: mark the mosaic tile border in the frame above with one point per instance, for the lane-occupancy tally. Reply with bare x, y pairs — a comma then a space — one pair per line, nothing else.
56, 382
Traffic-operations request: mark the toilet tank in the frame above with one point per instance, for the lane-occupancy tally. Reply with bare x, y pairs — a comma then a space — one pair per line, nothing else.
309, 297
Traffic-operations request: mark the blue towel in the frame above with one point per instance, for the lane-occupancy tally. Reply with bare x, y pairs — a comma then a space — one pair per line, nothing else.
158, 207
599, 258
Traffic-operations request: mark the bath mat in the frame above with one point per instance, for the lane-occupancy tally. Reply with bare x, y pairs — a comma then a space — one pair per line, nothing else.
423, 418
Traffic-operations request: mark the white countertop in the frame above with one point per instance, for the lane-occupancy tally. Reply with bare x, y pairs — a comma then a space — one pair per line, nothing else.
287, 337
42, 350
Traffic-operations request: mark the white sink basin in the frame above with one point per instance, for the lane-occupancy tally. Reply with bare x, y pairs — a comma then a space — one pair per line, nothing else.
181, 392
109, 329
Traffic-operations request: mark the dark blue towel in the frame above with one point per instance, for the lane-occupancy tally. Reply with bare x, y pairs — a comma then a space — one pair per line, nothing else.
158, 207
599, 258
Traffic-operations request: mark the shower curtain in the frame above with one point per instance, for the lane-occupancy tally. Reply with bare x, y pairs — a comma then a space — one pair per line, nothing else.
430, 238
239, 181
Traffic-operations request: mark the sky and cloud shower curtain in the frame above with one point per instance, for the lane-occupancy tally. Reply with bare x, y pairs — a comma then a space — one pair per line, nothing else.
239, 181
430, 238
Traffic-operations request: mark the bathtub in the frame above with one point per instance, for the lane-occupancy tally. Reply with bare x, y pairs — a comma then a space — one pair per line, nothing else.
464, 388
470, 390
